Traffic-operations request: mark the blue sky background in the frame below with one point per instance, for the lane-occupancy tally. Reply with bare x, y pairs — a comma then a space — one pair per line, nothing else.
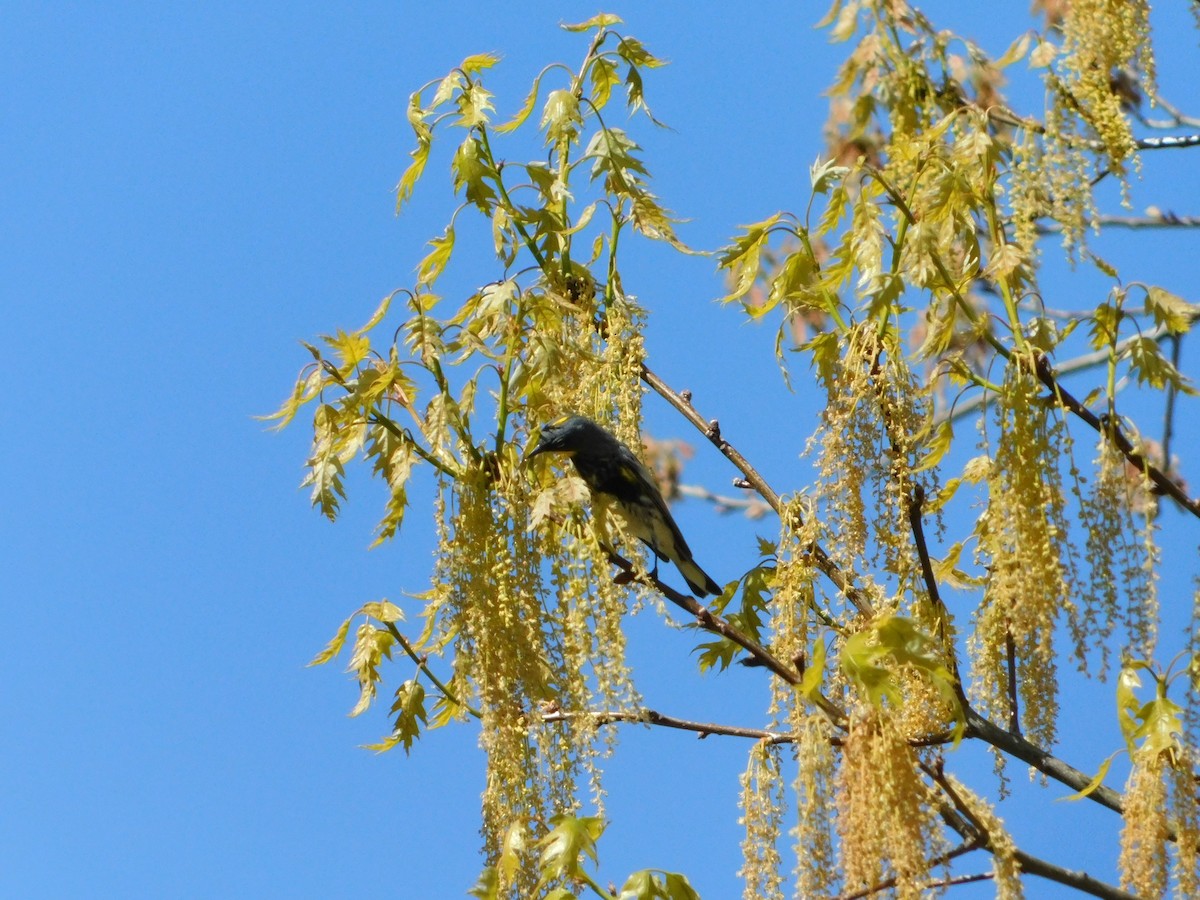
190, 190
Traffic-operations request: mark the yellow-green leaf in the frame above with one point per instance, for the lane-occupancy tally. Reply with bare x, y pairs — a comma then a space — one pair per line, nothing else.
603, 20
1097, 780
1170, 310
335, 645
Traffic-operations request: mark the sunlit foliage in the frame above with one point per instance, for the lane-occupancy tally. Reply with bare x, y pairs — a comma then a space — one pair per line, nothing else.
910, 284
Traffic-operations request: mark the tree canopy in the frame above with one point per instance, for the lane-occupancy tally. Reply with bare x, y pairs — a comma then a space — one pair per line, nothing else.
994, 465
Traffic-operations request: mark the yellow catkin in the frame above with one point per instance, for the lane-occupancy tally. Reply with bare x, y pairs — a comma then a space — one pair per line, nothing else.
1101, 39
1143, 860
885, 819
868, 458
816, 860
1006, 871
762, 817
1122, 554
1024, 544
1186, 808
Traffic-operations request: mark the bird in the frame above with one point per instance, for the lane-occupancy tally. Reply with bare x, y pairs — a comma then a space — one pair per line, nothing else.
618, 480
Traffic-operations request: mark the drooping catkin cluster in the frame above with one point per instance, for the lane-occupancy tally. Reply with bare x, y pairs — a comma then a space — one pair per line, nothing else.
869, 441
1122, 552
1023, 543
1104, 42
817, 875
1006, 870
495, 614
1160, 836
762, 816
886, 820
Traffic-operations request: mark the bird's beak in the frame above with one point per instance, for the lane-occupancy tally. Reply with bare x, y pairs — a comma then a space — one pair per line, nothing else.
539, 447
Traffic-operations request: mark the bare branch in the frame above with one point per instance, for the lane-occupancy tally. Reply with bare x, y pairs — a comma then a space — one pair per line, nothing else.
752, 507
712, 431
650, 717
1153, 219
1017, 746
1163, 482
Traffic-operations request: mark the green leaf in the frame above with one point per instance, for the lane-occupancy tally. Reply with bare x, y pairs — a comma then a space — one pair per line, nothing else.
603, 20
741, 258
476, 63
868, 657
474, 104
488, 885
471, 169
719, 654
824, 175
435, 262
511, 849
420, 155
1097, 780
604, 77
371, 646
383, 611
561, 117
678, 887
635, 53
1147, 362
409, 710
325, 468
335, 645
1128, 703
937, 446
1171, 311
570, 838
524, 112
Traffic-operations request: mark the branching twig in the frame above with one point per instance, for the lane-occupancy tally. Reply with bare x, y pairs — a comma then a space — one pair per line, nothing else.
941, 859
753, 507
1051, 766
1162, 481
650, 717
959, 817
423, 665
712, 431
710, 621
1158, 219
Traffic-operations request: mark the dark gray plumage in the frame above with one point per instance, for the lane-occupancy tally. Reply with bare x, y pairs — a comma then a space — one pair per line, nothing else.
617, 478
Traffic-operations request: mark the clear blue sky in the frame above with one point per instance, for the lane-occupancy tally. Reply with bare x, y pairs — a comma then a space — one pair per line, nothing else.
186, 192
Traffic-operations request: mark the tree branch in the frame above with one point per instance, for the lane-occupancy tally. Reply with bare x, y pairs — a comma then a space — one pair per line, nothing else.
1155, 219
712, 431
1081, 881
1162, 481
1049, 765
650, 717
959, 817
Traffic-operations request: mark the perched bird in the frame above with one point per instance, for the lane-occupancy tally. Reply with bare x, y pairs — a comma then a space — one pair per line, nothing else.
618, 480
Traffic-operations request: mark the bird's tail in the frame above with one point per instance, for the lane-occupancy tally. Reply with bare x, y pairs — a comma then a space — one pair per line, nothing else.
697, 579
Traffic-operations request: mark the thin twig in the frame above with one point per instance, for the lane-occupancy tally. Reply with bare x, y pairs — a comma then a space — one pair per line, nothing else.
752, 507
941, 859
650, 717
1162, 481
1158, 219
1017, 746
711, 621
423, 665
712, 431
959, 816
915, 504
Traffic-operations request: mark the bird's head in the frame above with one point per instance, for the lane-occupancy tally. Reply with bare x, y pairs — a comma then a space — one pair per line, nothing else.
566, 435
